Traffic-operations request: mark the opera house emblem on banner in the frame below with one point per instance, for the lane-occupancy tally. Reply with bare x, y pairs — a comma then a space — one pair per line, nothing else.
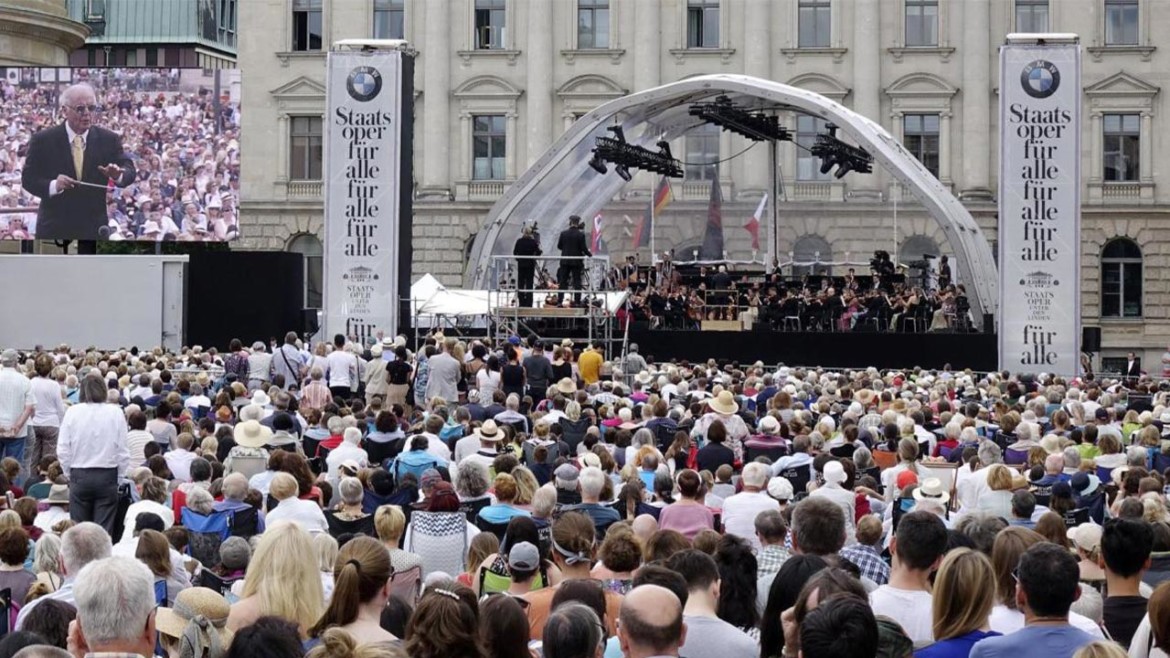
360, 275
1039, 280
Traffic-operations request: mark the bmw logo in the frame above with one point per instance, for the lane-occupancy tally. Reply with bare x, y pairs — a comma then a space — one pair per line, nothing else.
1040, 79
364, 83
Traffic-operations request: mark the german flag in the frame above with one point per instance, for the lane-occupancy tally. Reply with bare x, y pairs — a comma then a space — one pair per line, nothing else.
662, 198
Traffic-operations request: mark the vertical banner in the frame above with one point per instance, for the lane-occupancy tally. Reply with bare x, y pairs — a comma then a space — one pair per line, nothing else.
1040, 207
365, 161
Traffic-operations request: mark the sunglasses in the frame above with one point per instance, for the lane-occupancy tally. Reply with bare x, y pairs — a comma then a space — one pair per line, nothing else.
84, 109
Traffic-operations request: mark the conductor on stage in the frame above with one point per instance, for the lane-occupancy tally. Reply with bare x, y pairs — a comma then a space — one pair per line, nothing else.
63, 157
573, 247
527, 247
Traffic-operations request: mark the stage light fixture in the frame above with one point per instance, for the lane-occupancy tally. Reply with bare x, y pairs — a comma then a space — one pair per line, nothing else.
756, 126
845, 157
623, 172
625, 156
598, 164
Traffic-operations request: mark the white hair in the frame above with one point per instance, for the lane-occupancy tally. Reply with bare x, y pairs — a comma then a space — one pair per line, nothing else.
115, 596
235, 486
953, 430
71, 92
352, 436
336, 425
591, 481
84, 543
351, 490
756, 474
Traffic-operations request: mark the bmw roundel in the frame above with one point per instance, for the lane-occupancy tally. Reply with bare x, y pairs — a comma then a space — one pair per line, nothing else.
364, 83
1040, 79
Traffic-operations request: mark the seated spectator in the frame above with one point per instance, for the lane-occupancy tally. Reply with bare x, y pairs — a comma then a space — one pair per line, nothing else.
687, 515
707, 634
651, 623
917, 549
963, 595
305, 513
127, 628
592, 482
504, 509
281, 581
1125, 550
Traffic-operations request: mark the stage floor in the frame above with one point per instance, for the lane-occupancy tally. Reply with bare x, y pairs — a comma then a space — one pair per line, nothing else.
831, 350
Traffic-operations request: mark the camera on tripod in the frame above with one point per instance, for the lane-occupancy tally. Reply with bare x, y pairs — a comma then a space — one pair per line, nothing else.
881, 263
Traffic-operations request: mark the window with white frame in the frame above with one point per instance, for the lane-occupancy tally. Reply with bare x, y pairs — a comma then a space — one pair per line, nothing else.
592, 24
1121, 22
305, 148
702, 149
703, 23
808, 166
489, 135
307, 25
313, 255
1032, 16
1121, 279
814, 18
920, 136
389, 19
1122, 147
921, 23
490, 26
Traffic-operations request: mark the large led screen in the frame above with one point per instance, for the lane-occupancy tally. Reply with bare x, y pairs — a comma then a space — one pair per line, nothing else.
119, 154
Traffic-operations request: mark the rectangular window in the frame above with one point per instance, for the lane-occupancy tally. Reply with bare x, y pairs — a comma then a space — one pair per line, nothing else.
1122, 146
1032, 16
307, 32
490, 29
1121, 289
920, 137
702, 148
813, 19
1121, 22
808, 166
152, 56
131, 58
305, 149
702, 23
389, 19
921, 23
592, 24
489, 145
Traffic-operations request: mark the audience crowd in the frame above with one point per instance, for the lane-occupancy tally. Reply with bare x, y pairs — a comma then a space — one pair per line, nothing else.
467, 500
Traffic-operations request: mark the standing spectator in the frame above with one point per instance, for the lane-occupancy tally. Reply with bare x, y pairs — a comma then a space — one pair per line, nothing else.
538, 372
106, 629
259, 367
917, 549
742, 510
316, 394
288, 362
1125, 549
17, 403
50, 409
343, 370
1046, 588
93, 454
445, 372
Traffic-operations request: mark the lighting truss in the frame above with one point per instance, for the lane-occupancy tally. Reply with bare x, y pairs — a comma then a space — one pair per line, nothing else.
835, 153
756, 126
625, 156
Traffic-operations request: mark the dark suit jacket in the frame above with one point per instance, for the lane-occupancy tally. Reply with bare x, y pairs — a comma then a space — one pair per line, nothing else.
572, 243
1135, 371
74, 214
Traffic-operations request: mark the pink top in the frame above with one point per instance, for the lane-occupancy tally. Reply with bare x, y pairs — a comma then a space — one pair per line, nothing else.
686, 518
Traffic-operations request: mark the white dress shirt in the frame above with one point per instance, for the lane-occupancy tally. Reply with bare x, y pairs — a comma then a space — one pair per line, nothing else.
72, 135
179, 461
131, 522
50, 403
740, 512
93, 435
15, 395
305, 513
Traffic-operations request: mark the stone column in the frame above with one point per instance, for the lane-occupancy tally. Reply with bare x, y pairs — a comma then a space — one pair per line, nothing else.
436, 51
282, 133
757, 61
867, 57
944, 148
1146, 149
976, 149
647, 44
539, 88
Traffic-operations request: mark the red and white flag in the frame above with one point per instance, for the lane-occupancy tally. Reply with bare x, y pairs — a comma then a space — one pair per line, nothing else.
753, 224
596, 244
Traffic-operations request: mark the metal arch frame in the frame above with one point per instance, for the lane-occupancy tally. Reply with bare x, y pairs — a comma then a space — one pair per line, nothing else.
650, 111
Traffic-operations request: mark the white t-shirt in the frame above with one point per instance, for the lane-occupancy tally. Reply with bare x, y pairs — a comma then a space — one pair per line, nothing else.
740, 512
304, 513
910, 608
342, 367
1005, 620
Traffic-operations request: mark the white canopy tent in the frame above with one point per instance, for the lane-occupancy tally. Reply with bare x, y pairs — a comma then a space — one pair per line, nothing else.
430, 301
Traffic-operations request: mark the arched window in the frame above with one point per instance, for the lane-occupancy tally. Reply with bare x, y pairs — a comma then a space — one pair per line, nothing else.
915, 247
808, 250
309, 247
1121, 279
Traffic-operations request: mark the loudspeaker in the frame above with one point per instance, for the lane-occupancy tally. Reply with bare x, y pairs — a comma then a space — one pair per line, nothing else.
309, 324
1090, 339
989, 322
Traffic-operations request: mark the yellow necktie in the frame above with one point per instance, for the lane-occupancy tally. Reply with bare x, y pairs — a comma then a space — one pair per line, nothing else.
78, 154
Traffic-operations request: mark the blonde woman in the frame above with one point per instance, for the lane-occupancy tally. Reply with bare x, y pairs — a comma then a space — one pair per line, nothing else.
325, 548
907, 461
281, 581
526, 486
964, 593
998, 500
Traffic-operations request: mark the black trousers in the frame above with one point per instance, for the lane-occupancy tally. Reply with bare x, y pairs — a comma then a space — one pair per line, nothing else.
525, 281
93, 496
571, 280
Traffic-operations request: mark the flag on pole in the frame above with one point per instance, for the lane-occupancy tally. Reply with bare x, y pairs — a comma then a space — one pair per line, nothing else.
596, 244
663, 195
713, 237
753, 224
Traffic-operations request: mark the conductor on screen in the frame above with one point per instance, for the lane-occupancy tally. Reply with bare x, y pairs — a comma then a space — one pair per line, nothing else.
69, 166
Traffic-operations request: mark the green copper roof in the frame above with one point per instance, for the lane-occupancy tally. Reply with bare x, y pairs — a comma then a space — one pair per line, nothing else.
158, 21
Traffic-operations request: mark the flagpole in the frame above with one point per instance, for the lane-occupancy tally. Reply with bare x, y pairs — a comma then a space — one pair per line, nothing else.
775, 242
653, 200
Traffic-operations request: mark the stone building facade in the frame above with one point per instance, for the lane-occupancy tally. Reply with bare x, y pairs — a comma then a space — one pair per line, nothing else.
38, 33
496, 81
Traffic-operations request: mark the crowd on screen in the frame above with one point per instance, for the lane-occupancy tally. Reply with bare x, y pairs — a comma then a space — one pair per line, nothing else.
187, 155
464, 499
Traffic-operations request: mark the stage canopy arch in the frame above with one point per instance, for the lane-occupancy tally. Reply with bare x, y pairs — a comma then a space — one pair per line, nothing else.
561, 182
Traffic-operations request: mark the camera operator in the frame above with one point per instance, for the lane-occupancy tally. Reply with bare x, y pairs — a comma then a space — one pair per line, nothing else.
527, 247
573, 246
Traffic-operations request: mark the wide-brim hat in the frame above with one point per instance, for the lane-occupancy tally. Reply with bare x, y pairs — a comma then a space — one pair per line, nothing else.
723, 403
261, 398
932, 489
1084, 484
865, 396
191, 603
566, 386
251, 434
489, 431
899, 406
58, 495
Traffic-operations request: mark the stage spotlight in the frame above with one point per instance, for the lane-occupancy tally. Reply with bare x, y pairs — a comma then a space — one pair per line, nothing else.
598, 164
623, 172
